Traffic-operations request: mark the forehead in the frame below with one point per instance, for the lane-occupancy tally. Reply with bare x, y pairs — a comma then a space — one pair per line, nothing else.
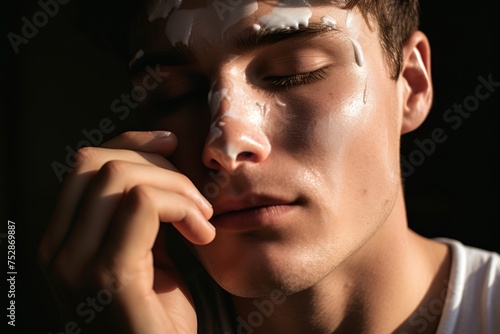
214, 23
226, 10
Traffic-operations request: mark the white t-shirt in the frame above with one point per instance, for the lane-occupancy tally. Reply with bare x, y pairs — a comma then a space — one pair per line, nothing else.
469, 305
472, 303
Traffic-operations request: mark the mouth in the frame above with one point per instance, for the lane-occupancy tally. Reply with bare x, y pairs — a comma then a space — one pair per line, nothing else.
252, 213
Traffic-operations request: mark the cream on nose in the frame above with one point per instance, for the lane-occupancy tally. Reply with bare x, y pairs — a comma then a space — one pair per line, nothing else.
236, 136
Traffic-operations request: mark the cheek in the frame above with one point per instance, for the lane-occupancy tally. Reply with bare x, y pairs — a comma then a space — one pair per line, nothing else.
363, 167
320, 119
347, 134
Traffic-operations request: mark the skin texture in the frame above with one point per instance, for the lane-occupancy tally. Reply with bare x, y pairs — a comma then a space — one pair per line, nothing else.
317, 161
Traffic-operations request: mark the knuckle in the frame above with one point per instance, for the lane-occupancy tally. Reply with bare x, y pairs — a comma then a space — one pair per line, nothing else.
108, 277
127, 135
186, 208
139, 195
186, 182
86, 154
124, 139
62, 272
191, 212
100, 276
112, 169
187, 188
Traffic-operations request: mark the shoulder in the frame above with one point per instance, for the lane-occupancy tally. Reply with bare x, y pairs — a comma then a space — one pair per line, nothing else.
473, 297
472, 266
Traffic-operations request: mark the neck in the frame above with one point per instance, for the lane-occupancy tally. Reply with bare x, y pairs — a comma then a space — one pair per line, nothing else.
375, 290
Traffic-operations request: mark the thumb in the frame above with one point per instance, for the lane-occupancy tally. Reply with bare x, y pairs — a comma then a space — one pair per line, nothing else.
158, 142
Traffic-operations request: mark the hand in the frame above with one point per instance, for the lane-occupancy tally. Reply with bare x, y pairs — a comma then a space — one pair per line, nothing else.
103, 239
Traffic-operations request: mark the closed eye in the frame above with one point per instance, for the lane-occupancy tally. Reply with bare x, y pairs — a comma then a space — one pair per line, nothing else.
176, 92
297, 79
165, 105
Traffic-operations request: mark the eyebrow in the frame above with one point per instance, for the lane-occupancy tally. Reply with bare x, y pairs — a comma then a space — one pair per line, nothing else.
181, 55
264, 37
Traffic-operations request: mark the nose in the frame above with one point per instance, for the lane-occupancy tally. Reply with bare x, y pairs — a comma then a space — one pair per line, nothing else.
236, 135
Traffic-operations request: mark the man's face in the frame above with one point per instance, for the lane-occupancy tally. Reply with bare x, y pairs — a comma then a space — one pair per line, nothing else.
287, 120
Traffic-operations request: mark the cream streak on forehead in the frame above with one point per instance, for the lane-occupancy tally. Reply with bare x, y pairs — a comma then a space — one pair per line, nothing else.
161, 8
231, 12
328, 20
287, 14
218, 13
285, 18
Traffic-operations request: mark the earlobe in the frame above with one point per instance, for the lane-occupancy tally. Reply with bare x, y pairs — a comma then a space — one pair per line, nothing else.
417, 82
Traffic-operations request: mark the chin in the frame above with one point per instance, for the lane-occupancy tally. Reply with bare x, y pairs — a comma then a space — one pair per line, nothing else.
258, 273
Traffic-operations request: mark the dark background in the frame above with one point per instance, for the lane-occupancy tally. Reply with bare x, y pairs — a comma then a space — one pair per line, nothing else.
60, 84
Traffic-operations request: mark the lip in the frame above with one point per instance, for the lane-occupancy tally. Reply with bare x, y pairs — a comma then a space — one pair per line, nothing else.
252, 214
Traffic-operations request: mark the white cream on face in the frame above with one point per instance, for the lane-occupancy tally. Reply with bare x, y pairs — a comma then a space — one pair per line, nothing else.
138, 55
328, 20
215, 101
180, 22
285, 18
264, 108
358, 51
280, 103
234, 116
337, 129
161, 8
179, 26
233, 11
215, 131
232, 57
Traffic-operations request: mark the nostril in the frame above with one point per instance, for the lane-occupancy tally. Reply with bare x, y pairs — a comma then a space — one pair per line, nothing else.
235, 145
247, 155
214, 162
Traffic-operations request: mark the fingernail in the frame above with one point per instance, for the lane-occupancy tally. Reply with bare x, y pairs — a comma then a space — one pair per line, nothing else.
203, 201
209, 224
160, 134
207, 203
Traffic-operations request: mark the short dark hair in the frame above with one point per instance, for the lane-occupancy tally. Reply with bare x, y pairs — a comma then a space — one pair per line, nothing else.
397, 20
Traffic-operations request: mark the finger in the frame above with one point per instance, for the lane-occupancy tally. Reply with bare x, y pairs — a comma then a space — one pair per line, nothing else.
159, 142
112, 182
131, 237
88, 161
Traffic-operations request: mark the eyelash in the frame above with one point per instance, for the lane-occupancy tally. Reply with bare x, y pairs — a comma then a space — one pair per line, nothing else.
297, 79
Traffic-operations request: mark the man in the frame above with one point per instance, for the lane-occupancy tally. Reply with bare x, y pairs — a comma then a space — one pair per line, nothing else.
272, 147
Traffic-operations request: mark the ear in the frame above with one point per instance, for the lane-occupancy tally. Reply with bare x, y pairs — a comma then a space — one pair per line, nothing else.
416, 81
